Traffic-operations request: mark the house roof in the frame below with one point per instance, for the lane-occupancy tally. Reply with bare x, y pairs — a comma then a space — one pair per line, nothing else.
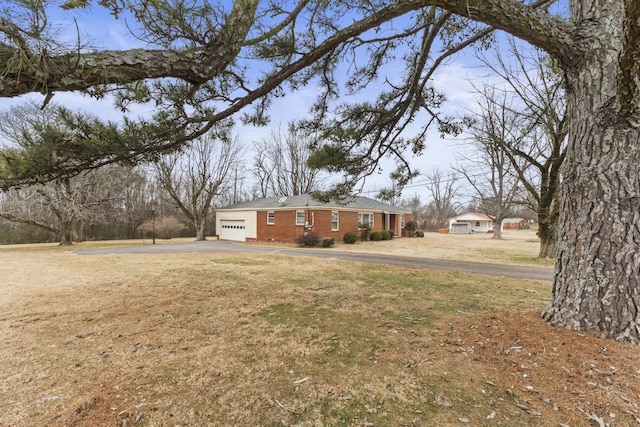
306, 201
472, 216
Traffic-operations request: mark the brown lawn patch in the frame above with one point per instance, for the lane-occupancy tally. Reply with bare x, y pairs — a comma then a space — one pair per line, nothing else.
516, 247
247, 339
551, 375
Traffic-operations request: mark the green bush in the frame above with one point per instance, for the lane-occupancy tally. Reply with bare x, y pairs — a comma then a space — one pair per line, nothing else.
328, 242
419, 233
350, 237
386, 235
375, 236
308, 239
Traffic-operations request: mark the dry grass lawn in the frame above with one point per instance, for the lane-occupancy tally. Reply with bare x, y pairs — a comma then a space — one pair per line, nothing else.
268, 340
516, 247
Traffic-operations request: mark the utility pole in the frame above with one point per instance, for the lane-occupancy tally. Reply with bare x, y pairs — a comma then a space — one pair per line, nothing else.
153, 225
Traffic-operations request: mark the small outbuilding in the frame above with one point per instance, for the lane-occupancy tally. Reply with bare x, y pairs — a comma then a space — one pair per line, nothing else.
471, 222
515, 224
285, 219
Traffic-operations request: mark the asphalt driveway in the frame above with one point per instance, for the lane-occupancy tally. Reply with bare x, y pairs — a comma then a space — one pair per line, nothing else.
503, 270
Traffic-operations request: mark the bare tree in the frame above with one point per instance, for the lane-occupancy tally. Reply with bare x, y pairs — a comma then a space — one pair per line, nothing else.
280, 164
63, 206
537, 155
138, 193
417, 209
488, 169
193, 178
25, 206
262, 172
443, 189
66, 206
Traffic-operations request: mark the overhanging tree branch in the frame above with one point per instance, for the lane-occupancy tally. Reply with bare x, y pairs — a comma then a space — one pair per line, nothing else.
205, 66
527, 22
28, 221
23, 70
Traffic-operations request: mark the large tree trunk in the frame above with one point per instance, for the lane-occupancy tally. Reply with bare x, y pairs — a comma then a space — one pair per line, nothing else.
66, 233
200, 231
598, 263
547, 229
497, 229
500, 215
547, 241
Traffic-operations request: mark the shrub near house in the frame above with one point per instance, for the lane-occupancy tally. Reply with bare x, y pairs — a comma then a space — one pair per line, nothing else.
410, 228
376, 236
350, 237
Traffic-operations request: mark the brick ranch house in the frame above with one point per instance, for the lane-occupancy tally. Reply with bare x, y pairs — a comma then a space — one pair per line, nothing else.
284, 219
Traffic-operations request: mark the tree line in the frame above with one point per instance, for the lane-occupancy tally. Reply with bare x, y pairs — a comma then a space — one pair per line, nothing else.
172, 196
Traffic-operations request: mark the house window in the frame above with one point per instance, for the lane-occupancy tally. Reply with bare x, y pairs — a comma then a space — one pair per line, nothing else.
365, 218
299, 217
271, 217
477, 223
334, 221
401, 220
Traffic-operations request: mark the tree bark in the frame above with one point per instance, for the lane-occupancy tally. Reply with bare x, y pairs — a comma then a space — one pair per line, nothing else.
497, 228
66, 233
200, 225
81, 71
547, 226
598, 264
598, 260
547, 235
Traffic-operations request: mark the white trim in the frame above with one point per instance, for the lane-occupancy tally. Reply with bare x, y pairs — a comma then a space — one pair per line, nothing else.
298, 211
371, 218
337, 221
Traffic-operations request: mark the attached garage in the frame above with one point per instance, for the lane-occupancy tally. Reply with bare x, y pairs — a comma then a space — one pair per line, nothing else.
238, 225
460, 228
233, 230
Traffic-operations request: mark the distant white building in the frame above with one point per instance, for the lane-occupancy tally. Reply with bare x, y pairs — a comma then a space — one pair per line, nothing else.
471, 222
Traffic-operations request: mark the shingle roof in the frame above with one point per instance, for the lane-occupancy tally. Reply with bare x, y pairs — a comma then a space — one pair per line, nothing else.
473, 216
306, 201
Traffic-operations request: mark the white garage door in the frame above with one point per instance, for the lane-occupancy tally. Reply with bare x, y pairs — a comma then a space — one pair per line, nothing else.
460, 228
232, 230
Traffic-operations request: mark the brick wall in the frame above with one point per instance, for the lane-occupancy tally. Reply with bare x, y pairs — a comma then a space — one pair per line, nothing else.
518, 225
285, 229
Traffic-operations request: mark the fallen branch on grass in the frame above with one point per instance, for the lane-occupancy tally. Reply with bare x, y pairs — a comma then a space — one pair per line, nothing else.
286, 409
